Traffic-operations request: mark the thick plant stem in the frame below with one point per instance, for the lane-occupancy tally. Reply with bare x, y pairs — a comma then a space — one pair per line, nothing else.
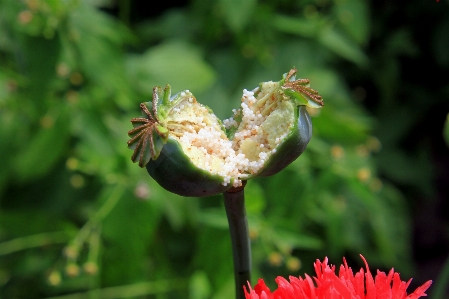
234, 200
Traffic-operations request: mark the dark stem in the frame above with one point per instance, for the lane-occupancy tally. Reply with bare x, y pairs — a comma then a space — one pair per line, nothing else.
234, 201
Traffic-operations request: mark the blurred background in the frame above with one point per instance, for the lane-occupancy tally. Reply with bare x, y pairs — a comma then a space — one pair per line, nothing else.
79, 220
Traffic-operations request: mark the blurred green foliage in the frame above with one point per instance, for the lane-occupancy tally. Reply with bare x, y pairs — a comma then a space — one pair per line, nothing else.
79, 220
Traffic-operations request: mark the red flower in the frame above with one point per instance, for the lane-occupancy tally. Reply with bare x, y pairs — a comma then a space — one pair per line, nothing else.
344, 286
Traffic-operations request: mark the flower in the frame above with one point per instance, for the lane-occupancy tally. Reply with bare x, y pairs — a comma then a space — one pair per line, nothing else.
344, 286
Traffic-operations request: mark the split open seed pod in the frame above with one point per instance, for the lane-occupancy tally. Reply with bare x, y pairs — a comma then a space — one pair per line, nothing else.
190, 152
272, 128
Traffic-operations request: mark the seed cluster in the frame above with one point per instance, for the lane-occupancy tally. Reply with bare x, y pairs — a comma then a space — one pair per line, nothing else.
264, 124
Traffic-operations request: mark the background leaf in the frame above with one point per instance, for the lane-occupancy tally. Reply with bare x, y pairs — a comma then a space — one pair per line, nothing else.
44, 149
175, 62
237, 14
372, 180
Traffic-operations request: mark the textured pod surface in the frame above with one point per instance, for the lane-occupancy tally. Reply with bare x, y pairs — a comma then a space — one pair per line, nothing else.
294, 145
174, 171
272, 128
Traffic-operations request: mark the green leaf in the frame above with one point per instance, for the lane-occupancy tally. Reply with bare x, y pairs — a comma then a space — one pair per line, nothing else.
341, 126
237, 13
129, 232
342, 46
97, 146
216, 263
41, 57
174, 23
9, 125
44, 149
98, 39
176, 63
326, 34
405, 168
254, 199
17, 223
294, 239
199, 286
354, 18
226, 290
298, 26
215, 218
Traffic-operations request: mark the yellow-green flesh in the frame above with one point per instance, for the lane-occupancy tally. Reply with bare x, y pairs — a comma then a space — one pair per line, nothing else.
266, 120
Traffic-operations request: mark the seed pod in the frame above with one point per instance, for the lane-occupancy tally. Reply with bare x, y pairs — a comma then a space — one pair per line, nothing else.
174, 171
189, 151
272, 127
157, 142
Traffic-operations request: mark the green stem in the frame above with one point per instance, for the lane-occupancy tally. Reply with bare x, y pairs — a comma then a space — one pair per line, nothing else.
33, 241
82, 235
110, 203
132, 290
234, 201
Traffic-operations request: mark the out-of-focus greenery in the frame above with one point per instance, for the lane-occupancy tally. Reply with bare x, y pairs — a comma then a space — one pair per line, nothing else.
78, 217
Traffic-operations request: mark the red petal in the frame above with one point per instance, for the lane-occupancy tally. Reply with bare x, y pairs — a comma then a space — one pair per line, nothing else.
247, 296
399, 287
341, 287
311, 287
319, 267
285, 289
383, 289
344, 286
264, 296
262, 287
359, 283
252, 294
420, 291
369, 282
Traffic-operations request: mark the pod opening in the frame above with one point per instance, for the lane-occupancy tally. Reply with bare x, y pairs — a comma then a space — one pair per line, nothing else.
264, 119
264, 135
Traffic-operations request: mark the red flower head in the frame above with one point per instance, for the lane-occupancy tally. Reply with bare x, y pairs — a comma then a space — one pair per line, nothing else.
344, 286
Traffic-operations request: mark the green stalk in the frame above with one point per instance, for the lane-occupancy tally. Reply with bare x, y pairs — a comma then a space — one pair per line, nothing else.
32, 241
441, 282
234, 201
